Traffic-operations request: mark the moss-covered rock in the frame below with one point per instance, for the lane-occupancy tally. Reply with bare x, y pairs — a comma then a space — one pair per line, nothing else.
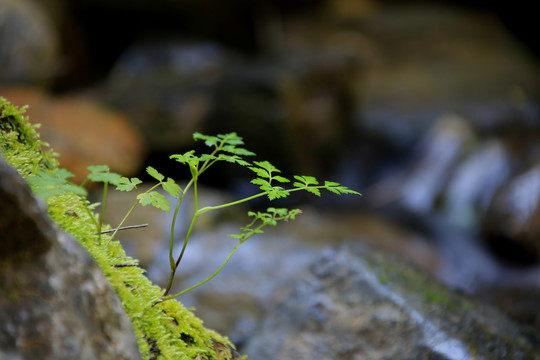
357, 302
55, 301
166, 330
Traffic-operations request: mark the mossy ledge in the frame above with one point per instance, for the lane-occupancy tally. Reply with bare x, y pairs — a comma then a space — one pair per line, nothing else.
166, 330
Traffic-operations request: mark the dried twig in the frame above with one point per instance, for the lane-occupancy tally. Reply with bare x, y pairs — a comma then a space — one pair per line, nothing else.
125, 228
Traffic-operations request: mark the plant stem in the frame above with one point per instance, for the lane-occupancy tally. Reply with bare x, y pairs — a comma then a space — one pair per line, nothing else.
103, 205
210, 208
208, 278
173, 225
195, 172
123, 221
240, 242
174, 265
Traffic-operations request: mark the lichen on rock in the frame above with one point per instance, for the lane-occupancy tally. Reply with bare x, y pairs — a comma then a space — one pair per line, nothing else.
164, 331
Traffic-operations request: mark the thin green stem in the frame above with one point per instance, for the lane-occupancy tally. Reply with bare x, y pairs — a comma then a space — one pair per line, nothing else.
123, 221
103, 205
232, 203
173, 225
130, 211
195, 174
174, 265
209, 163
208, 278
240, 242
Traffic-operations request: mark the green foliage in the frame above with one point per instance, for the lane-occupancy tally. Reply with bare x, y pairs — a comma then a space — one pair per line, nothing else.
225, 147
55, 182
161, 330
271, 217
101, 173
53, 185
268, 179
125, 184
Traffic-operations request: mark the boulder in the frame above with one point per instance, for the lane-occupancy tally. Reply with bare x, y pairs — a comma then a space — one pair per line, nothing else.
55, 301
29, 45
356, 303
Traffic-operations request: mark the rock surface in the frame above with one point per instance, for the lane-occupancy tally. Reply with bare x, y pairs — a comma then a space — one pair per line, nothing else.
512, 222
29, 44
55, 302
359, 304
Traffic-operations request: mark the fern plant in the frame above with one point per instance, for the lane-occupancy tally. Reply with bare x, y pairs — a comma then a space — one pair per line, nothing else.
224, 148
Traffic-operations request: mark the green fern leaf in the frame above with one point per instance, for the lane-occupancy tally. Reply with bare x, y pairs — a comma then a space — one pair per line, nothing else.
154, 173
46, 185
267, 166
260, 172
313, 190
237, 151
233, 159
186, 158
231, 138
101, 173
125, 184
205, 157
155, 199
338, 189
281, 179
172, 188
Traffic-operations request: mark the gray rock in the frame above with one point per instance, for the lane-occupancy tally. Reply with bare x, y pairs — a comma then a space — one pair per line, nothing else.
29, 47
475, 180
513, 218
359, 304
441, 149
165, 88
55, 302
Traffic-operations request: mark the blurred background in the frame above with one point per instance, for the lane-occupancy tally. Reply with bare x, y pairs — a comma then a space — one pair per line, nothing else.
429, 108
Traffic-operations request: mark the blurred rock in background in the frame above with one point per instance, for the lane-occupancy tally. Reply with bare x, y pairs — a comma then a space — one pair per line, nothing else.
30, 43
82, 131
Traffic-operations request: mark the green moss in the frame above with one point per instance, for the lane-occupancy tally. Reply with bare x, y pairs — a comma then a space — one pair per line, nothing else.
395, 274
165, 331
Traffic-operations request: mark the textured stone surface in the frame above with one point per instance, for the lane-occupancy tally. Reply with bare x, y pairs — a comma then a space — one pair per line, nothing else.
55, 302
359, 304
